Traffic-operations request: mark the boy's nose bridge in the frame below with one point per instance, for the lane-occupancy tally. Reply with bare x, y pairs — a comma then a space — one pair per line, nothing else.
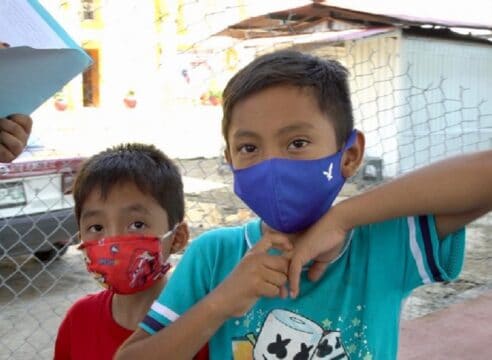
114, 229
271, 152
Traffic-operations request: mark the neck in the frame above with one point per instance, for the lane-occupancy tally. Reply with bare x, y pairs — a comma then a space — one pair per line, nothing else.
265, 229
333, 253
129, 310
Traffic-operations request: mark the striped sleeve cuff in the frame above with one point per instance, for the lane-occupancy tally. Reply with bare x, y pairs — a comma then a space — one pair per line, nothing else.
436, 259
157, 318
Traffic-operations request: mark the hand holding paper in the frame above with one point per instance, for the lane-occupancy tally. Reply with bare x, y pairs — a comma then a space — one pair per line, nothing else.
14, 132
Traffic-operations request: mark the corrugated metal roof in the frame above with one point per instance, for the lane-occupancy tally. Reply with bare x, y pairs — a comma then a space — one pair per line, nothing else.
472, 13
324, 36
405, 16
320, 16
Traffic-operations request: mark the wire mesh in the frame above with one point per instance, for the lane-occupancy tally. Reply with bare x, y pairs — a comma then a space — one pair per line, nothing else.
417, 97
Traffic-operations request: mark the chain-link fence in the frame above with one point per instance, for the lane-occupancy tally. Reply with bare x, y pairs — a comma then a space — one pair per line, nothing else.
419, 94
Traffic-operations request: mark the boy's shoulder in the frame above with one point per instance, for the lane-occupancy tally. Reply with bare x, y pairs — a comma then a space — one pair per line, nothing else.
391, 227
209, 258
227, 239
90, 304
383, 235
406, 225
230, 234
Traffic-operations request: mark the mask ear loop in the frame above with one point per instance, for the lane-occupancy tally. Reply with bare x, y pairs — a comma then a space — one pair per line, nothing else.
351, 140
82, 244
167, 266
169, 233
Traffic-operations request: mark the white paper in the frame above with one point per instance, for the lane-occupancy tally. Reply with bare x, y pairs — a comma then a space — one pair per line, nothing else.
41, 58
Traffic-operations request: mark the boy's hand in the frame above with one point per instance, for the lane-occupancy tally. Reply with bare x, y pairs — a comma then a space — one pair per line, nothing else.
14, 132
259, 274
322, 243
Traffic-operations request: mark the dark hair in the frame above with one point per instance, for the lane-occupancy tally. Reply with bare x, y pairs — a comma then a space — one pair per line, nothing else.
327, 78
143, 165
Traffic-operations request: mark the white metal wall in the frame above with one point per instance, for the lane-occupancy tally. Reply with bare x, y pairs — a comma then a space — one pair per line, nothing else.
449, 91
375, 83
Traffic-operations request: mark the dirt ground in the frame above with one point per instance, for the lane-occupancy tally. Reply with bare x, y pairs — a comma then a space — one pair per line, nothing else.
34, 296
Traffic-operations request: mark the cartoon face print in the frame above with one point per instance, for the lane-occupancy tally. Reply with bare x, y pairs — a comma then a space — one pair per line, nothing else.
304, 354
330, 347
279, 347
287, 335
142, 266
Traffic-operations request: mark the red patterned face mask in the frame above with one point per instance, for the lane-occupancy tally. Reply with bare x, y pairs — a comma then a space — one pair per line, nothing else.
126, 264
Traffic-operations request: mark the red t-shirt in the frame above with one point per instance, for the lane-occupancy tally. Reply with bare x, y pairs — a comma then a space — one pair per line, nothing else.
90, 332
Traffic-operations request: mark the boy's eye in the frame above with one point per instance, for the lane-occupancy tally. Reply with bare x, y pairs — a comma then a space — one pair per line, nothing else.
298, 144
247, 148
137, 225
95, 228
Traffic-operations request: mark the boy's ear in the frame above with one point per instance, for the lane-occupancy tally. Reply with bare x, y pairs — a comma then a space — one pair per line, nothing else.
352, 157
180, 238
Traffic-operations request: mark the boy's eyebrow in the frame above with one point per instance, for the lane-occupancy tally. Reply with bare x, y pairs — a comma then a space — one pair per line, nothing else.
127, 209
136, 208
241, 133
295, 127
89, 213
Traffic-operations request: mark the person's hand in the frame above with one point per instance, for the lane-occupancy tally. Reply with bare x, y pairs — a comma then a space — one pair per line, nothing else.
14, 132
321, 243
259, 274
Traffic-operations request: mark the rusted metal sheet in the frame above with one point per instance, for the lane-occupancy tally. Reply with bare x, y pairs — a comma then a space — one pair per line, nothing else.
318, 16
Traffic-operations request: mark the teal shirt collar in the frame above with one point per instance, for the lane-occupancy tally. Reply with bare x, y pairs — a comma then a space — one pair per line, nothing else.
253, 233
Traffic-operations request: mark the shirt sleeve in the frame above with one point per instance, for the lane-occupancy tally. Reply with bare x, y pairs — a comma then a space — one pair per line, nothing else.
203, 354
428, 258
189, 283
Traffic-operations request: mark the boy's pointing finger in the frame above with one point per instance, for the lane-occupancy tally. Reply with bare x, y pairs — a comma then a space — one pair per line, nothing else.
272, 241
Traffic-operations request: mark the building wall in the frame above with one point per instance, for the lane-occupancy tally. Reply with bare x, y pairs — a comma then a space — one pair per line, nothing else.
67, 14
442, 118
139, 44
419, 99
375, 82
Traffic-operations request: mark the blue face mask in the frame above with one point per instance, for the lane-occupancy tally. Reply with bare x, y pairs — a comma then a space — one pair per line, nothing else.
291, 195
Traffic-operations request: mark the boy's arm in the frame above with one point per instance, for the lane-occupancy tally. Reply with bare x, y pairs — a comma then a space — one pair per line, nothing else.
183, 338
258, 274
456, 191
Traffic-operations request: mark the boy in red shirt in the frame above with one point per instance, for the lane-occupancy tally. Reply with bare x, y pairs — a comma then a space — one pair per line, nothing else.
129, 206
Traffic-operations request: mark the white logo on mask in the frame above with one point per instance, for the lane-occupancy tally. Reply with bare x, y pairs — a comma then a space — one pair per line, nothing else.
328, 174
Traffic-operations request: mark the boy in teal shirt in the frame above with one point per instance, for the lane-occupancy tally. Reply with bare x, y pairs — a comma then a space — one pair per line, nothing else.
310, 280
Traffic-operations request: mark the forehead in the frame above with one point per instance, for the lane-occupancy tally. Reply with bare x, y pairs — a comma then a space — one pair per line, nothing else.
278, 107
117, 189
120, 197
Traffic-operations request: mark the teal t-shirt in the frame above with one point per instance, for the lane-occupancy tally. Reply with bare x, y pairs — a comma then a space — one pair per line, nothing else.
352, 312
